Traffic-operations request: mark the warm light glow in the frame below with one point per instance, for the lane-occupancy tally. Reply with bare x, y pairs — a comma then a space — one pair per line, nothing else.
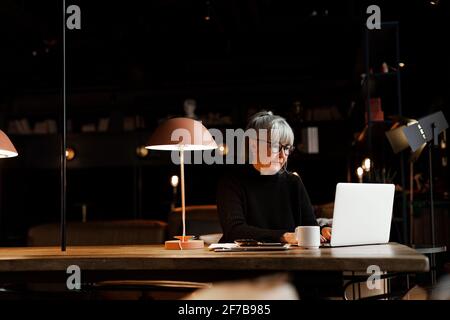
444, 141
70, 154
141, 151
208, 12
401, 64
223, 149
367, 164
174, 181
360, 172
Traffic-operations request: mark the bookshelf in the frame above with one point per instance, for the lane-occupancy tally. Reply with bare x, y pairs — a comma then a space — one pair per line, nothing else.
383, 99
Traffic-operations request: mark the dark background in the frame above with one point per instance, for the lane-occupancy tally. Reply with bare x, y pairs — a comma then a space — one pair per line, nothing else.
139, 58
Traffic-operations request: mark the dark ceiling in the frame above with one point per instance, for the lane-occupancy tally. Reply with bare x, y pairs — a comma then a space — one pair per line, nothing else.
254, 47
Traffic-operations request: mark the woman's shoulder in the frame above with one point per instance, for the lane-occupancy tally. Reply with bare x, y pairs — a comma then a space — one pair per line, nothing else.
294, 178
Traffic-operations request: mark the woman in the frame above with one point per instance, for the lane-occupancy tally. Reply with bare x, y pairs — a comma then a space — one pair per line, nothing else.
261, 200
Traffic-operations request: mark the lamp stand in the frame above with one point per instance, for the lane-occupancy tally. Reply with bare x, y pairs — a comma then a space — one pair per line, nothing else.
430, 160
184, 242
411, 202
433, 231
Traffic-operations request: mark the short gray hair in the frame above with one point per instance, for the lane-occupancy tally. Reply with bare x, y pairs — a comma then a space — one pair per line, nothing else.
267, 120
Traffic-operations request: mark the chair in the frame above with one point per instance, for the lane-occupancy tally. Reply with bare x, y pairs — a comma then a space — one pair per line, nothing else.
97, 233
146, 289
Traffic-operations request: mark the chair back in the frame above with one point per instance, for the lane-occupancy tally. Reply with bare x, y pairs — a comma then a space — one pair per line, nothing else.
119, 232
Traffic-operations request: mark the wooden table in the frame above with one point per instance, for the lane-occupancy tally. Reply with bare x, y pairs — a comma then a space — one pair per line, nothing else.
391, 257
153, 262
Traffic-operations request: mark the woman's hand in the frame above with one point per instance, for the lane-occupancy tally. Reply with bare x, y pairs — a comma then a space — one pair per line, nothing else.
289, 237
326, 234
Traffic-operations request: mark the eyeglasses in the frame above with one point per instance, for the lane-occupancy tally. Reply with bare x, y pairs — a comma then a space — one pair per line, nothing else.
278, 147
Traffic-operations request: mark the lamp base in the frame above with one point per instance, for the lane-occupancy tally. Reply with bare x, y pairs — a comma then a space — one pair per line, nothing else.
184, 245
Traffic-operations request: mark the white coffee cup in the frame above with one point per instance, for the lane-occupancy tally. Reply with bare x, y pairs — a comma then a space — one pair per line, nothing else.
308, 237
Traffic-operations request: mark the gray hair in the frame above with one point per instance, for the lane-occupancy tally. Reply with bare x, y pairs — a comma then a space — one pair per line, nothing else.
275, 124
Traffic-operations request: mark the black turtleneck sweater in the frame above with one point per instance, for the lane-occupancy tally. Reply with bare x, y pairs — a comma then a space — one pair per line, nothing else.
262, 207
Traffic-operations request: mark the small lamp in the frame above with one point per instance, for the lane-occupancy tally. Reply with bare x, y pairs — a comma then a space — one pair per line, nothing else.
7, 149
182, 134
366, 165
174, 183
360, 173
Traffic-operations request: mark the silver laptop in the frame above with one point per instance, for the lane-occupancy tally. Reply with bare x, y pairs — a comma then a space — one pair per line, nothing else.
362, 214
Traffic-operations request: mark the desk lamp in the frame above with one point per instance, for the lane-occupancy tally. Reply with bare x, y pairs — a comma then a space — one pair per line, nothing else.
182, 134
7, 149
416, 136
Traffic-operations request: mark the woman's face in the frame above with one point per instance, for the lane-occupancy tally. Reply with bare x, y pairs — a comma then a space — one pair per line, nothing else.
270, 156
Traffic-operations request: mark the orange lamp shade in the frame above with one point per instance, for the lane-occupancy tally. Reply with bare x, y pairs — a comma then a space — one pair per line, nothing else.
7, 149
181, 133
